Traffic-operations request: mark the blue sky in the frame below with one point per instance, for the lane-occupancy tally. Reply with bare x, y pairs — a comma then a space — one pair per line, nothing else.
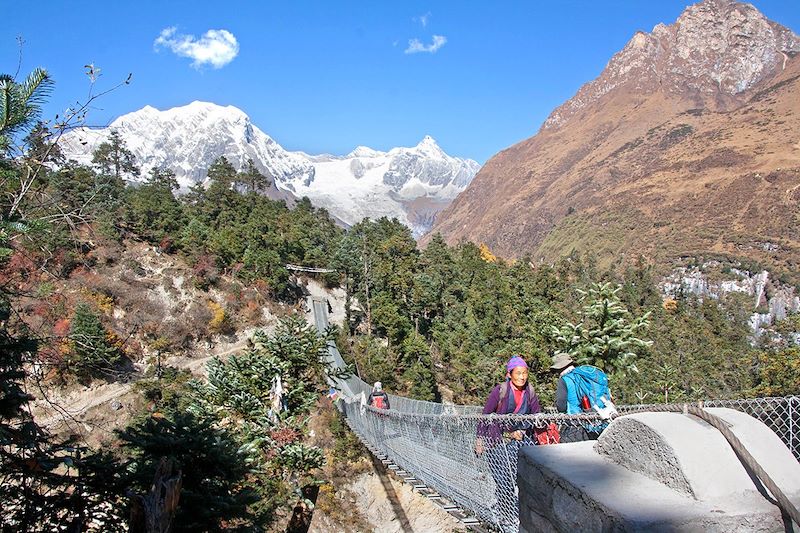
327, 76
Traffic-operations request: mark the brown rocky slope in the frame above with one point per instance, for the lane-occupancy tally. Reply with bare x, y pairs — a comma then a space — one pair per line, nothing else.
688, 143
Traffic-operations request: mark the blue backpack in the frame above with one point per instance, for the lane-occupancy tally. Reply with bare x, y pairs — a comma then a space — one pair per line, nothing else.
587, 382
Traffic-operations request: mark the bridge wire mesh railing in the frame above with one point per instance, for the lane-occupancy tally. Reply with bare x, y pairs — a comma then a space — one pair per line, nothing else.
470, 459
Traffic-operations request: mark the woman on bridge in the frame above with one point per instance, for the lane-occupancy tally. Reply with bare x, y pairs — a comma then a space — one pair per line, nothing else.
501, 441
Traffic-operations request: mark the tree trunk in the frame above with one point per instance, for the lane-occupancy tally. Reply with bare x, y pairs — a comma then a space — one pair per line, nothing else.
303, 513
154, 512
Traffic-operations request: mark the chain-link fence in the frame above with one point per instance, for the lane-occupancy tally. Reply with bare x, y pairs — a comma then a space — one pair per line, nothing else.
471, 458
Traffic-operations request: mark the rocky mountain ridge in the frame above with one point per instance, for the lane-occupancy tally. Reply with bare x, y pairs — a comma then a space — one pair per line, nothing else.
412, 184
716, 50
686, 144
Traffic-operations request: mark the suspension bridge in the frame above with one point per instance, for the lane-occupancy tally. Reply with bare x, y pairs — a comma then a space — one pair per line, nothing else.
432, 445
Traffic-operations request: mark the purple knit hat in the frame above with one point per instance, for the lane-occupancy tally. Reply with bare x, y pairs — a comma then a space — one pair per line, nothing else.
514, 362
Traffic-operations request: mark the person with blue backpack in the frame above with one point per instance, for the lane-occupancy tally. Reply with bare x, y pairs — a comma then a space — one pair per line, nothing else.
582, 389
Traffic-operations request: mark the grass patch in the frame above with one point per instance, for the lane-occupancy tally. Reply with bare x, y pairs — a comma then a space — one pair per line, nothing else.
606, 234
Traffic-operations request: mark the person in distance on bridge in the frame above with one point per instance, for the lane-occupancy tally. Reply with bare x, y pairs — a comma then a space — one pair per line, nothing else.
501, 441
378, 397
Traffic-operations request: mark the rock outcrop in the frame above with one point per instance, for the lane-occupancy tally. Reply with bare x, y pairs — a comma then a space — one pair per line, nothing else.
772, 301
715, 51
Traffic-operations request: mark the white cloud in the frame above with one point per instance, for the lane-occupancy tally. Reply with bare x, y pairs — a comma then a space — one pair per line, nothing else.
423, 19
415, 45
216, 47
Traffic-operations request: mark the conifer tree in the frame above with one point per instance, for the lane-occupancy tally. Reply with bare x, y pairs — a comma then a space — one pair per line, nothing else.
243, 446
91, 350
20, 103
114, 158
152, 210
251, 179
419, 372
605, 335
214, 468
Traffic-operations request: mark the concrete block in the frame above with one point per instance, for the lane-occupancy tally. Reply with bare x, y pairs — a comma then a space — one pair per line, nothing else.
765, 446
655, 472
692, 457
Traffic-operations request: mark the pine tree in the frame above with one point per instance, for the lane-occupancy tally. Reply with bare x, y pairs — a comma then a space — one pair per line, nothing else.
419, 372
605, 335
91, 350
20, 103
431, 283
251, 179
41, 148
114, 158
266, 394
214, 468
152, 210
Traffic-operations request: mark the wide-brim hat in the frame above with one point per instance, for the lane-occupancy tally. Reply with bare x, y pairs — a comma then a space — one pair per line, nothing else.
560, 361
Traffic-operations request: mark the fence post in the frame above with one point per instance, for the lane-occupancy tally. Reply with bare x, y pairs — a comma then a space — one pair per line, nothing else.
791, 428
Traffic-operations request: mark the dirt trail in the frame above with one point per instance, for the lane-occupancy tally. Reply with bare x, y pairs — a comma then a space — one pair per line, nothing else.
69, 408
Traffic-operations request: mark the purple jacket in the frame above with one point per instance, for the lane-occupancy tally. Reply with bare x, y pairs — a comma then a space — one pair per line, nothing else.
493, 432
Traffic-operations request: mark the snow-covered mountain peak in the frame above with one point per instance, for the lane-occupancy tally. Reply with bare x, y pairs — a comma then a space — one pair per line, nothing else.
412, 184
427, 141
188, 139
428, 147
364, 151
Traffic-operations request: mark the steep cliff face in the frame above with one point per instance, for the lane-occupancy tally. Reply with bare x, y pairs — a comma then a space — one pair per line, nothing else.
686, 143
770, 301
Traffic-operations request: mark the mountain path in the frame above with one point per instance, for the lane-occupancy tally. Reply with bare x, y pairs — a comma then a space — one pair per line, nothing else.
55, 410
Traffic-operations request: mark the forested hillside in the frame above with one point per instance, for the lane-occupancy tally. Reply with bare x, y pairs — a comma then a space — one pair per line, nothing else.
78, 310
441, 322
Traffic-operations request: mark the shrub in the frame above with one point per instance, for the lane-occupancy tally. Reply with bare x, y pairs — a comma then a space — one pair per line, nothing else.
220, 321
197, 317
778, 373
205, 271
91, 346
